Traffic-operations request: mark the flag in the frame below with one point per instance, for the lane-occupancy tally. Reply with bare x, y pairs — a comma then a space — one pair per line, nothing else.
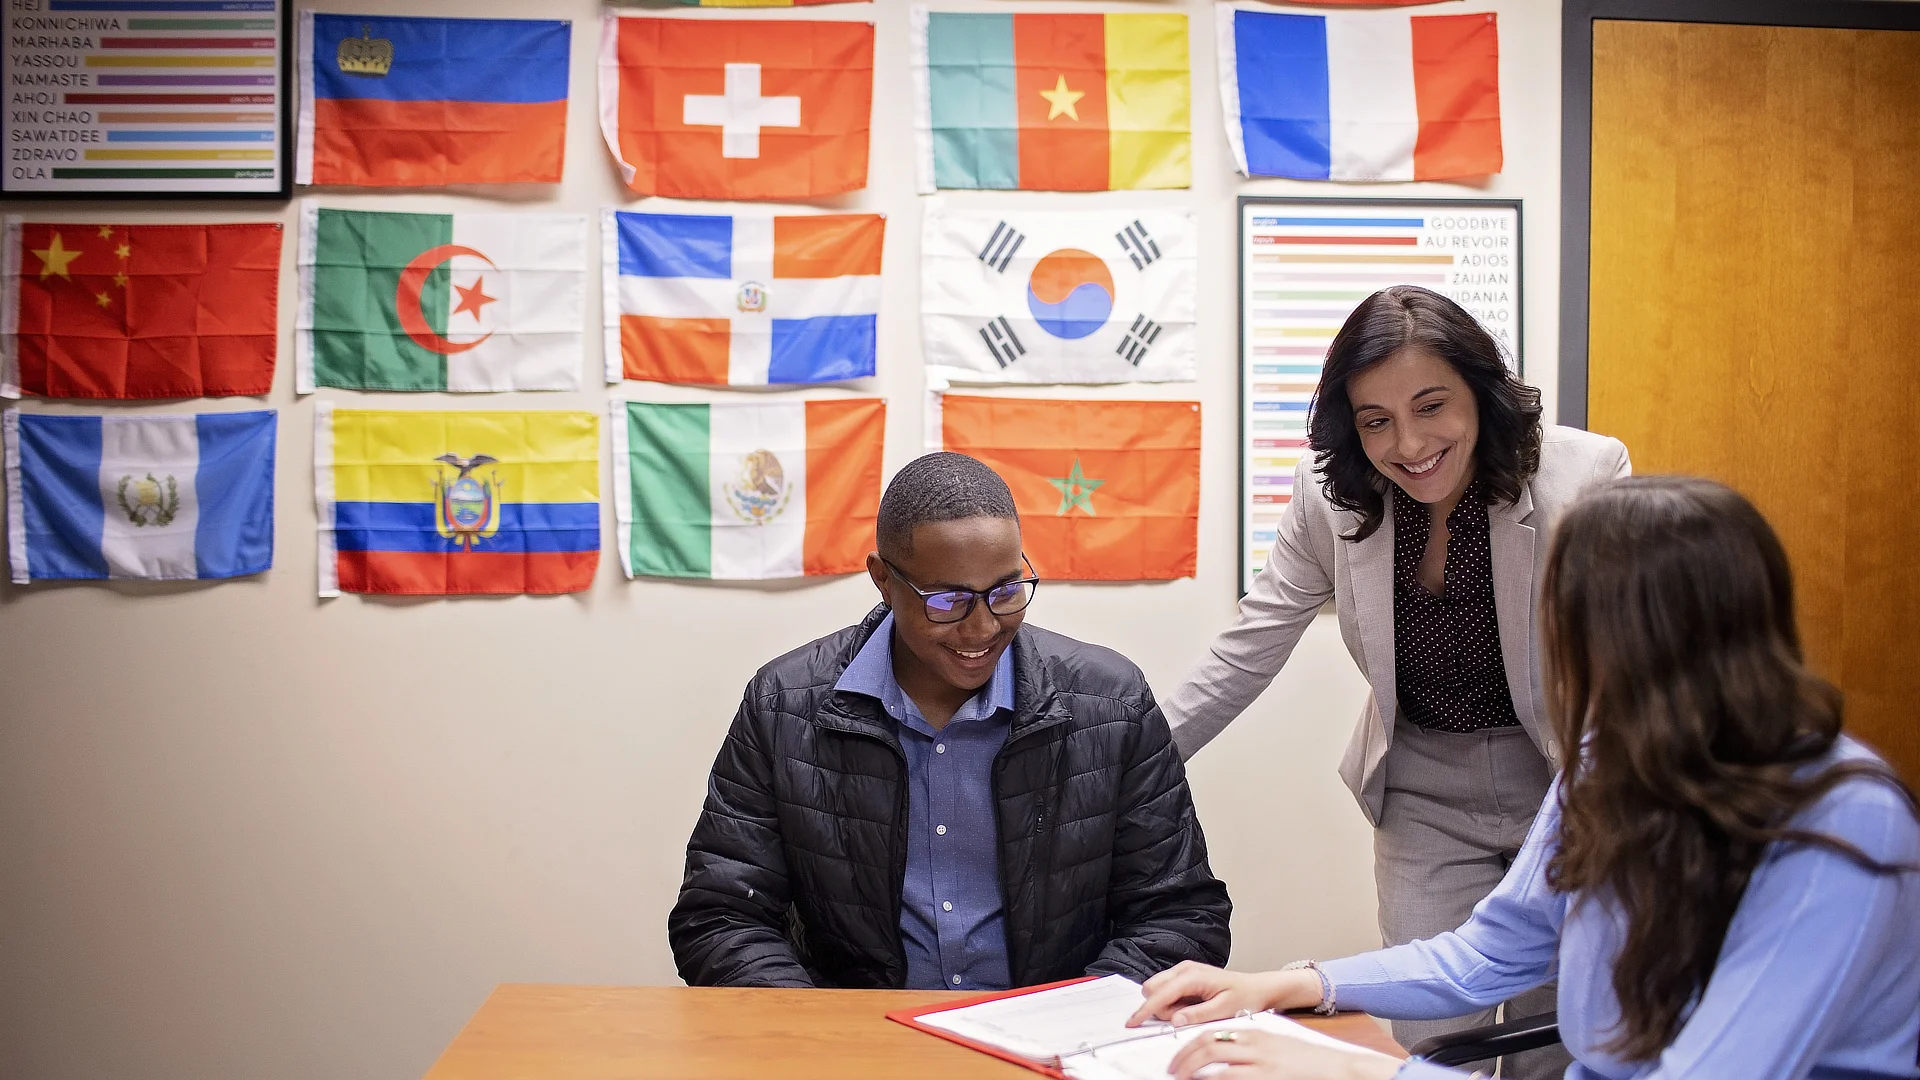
138, 311
456, 502
1362, 95
737, 108
412, 102
164, 497
1058, 296
746, 299
440, 301
1053, 102
747, 490
1107, 490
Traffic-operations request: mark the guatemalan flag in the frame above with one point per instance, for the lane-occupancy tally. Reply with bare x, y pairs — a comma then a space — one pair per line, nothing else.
1361, 95
743, 299
409, 102
167, 497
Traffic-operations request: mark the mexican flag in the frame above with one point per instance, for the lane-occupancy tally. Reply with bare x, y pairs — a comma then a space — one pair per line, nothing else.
463, 302
746, 490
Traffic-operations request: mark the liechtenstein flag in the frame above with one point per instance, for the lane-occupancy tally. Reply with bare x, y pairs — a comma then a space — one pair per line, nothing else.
1361, 96
143, 496
744, 299
416, 102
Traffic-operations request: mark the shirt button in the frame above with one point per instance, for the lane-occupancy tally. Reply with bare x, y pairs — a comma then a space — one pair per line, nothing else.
941, 829
946, 905
939, 748
956, 980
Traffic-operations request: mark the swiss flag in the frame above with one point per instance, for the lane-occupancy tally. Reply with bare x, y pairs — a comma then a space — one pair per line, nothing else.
737, 108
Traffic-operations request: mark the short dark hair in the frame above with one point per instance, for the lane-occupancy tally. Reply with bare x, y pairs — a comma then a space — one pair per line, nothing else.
942, 486
1508, 452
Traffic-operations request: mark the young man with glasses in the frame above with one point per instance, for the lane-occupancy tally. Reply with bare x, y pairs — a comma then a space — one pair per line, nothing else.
942, 796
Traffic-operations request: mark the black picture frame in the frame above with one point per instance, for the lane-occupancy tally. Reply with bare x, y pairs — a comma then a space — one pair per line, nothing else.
283, 15
1576, 132
1241, 205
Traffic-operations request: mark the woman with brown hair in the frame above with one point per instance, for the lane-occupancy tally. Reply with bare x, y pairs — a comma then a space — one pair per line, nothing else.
1422, 514
1725, 884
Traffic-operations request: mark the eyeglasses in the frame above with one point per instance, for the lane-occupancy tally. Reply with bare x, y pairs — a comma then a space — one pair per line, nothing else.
953, 605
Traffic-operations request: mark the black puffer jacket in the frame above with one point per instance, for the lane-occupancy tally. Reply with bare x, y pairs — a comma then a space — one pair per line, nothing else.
795, 868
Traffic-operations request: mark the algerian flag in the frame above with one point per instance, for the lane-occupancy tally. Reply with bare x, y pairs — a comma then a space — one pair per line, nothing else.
746, 489
440, 301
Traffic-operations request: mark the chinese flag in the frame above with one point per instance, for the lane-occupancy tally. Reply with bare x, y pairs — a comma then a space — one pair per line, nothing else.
737, 108
1107, 490
141, 311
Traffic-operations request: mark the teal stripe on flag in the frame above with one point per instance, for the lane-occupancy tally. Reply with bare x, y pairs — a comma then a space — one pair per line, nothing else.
976, 120
667, 449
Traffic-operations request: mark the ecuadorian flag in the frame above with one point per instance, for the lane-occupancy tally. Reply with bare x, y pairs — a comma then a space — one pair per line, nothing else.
421, 502
410, 102
1052, 102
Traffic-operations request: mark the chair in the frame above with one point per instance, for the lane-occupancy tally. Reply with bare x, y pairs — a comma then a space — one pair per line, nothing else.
1491, 1041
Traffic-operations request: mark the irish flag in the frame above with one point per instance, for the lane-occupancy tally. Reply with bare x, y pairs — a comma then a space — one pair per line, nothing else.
1373, 95
746, 489
1054, 102
440, 301
1107, 490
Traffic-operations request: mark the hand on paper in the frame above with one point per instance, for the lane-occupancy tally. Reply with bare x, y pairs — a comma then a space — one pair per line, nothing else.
1260, 1055
1190, 993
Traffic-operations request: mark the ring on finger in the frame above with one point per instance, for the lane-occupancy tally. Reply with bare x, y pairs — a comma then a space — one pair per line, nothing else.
1226, 1036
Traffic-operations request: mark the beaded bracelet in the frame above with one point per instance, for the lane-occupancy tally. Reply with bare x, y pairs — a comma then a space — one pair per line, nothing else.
1326, 1006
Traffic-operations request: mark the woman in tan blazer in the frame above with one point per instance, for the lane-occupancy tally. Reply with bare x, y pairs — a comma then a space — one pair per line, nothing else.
1423, 514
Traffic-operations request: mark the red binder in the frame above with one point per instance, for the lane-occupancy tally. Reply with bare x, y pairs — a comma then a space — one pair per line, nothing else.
911, 1018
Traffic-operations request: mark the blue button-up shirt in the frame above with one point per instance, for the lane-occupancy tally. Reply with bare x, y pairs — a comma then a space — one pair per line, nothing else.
952, 921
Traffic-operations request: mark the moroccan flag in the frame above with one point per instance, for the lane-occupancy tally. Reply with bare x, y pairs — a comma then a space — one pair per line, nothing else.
1058, 296
747, 489
456, 502
737, 108
440, 301
138, 311
1107, 490
410, 102
748, 299
166, 497
1054, 102
1361, 95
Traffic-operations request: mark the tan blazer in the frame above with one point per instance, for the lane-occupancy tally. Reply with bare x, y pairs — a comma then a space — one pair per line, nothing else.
1310, 563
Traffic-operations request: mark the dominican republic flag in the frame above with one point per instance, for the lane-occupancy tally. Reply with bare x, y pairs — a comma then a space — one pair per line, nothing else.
163, 497
1058, 296
387, 101
740, 299
1361, 95
747, 489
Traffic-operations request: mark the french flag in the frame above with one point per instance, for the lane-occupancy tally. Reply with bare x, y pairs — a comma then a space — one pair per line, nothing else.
746, 299
1362, 95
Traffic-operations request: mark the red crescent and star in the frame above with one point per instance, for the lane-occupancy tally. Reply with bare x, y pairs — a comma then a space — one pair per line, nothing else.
407, 298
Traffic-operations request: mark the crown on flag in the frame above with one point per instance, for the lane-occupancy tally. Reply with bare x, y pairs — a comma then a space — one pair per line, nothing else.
365, 55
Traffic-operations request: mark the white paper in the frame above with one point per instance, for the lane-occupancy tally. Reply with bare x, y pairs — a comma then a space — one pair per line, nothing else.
1148, 1059
1052, 1024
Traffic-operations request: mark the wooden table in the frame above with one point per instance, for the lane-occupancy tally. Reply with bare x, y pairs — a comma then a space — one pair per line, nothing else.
534, 1032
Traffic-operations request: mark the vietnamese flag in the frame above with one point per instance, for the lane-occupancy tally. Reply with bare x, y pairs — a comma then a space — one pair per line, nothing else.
139, 311
1107, 490
737, 108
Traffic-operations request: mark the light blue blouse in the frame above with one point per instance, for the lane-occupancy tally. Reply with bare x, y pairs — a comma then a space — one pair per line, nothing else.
1819, 976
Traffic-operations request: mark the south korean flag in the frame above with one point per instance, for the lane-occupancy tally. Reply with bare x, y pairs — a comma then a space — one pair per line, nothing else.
1082, 296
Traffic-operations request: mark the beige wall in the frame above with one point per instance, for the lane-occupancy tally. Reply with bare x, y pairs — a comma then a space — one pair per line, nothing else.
245, 833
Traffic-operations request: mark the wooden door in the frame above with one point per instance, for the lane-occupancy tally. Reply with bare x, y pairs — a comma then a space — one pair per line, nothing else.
1755, 311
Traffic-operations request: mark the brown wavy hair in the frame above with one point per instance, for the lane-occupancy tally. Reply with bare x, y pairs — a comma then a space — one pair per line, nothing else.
1508, 452
1674, 666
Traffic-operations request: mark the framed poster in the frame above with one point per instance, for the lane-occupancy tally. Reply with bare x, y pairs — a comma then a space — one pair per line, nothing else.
1305, 264
170, 98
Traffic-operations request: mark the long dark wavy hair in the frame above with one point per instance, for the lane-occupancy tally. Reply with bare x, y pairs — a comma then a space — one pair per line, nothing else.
1508, 452
1673, 665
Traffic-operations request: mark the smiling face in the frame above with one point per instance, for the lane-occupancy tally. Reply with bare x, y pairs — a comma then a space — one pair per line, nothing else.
1418, 422
949, 659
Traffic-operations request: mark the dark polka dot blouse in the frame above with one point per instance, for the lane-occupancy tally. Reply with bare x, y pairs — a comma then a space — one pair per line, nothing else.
1446, 648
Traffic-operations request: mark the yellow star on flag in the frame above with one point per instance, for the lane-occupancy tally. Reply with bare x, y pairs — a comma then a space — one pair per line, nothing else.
124, 250
106, 232
1061, 100
103, 299
120, 280
55, 257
